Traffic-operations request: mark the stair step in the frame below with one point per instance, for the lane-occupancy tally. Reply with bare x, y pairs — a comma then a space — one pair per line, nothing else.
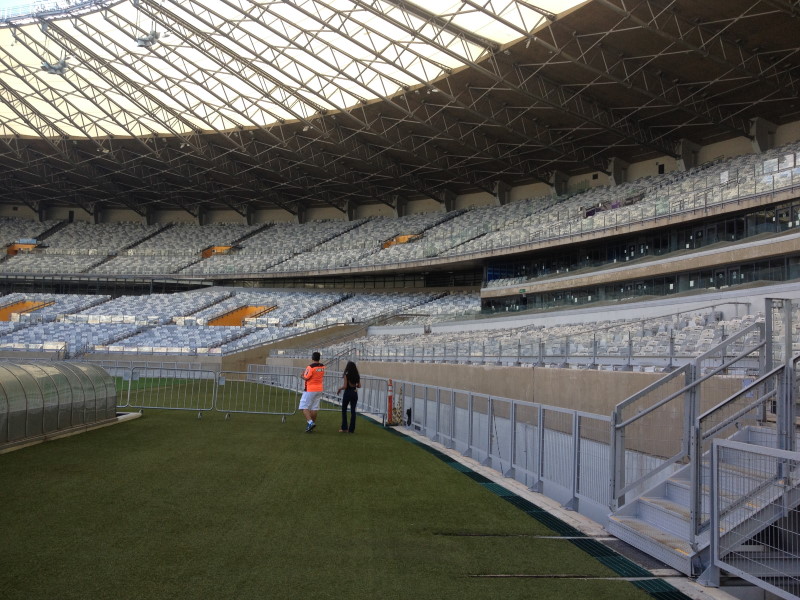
666, 547
665, 514
678, 491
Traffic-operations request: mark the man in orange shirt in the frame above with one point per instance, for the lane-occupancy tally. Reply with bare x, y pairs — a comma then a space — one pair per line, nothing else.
309, 401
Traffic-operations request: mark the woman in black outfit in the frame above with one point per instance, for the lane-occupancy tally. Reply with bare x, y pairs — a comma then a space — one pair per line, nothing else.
351, 381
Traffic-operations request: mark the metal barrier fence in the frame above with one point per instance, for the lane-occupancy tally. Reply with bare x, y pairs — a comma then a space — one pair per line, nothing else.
755, 491
560, 452
372, 395
259, 390
171, 389
202, 390
262, 394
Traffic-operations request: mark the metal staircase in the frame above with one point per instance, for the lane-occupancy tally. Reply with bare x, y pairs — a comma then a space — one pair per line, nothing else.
663, 486
659, 521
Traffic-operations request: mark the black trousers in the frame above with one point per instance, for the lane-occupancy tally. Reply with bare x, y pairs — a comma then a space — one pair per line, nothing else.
349, 397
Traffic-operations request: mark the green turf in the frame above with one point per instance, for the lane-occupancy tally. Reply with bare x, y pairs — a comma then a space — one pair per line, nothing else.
169, 506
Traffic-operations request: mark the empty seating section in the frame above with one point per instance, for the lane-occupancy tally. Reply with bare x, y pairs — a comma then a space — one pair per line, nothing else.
13, 229
70, 337
55, 304
101, 238
77, 247
293, 306
325, 245
173, 249
153, 308
260, 336
365, 306
689, 334
170, 323
457, 304
175, 338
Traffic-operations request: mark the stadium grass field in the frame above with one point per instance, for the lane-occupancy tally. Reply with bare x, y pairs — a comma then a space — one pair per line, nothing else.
171, 506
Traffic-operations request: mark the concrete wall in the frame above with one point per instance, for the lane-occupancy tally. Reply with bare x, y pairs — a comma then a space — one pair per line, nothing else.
19, 211
596, 392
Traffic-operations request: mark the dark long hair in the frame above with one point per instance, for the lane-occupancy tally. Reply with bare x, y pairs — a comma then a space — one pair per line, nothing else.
351, 371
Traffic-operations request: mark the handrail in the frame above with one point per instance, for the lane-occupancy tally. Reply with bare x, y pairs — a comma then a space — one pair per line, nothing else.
685, 388
688, 434
733, 397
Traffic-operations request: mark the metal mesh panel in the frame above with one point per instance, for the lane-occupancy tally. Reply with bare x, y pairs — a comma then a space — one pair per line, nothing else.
461, 420
652, 423
558, 447
479, 420
266, 394
447, 416
173, 389
756, 517
501, 434
594, 476
525, 457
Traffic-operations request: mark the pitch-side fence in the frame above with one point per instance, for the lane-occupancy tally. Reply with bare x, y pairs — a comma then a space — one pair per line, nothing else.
259, 390
560, 452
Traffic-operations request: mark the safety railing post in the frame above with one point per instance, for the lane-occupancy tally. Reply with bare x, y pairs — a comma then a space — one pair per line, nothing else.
489, 417
710, 576
468, 452
438, 436
512, 440
538, 483
572, 503
616, 456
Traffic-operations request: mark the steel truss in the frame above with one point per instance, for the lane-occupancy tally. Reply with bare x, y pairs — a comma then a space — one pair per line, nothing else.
240, 104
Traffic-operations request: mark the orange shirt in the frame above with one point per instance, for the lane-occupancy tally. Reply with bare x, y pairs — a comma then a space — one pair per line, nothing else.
313, 375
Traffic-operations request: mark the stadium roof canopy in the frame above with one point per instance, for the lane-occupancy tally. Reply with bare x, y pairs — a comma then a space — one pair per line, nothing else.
249, 104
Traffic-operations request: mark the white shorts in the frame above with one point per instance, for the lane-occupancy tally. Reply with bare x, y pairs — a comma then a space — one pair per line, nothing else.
310, 400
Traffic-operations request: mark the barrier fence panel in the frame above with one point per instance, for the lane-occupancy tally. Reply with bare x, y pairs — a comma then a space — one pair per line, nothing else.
501, 435
754, 504
372, 395
462, 403
479, 427
594, 476
446, 417
264, 393
559, 450
172, 389
525, 449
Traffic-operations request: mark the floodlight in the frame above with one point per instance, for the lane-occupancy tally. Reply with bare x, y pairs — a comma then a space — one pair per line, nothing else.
146, 41
58, 68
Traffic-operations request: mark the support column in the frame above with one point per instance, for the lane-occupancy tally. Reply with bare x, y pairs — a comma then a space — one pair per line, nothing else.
250, 214
502, 191
559, 181
400, 205
97, 210
687, 154
300, 217
618, 169
41, 210
350, 210
762, 133
449, 200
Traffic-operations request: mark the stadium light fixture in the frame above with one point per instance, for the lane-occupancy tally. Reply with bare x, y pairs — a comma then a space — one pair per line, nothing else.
147, 41
57, 68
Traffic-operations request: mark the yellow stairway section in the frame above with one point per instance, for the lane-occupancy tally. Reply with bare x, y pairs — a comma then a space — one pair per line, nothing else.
236, 317
25, 306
